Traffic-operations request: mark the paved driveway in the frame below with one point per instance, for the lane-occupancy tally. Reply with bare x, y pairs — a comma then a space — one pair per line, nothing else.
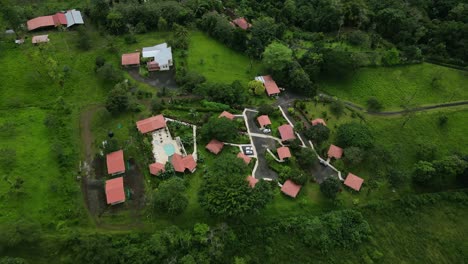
321, 172
263, 171
251, 120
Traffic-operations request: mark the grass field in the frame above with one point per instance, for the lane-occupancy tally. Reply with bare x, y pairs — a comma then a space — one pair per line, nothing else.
219, 64
402, 85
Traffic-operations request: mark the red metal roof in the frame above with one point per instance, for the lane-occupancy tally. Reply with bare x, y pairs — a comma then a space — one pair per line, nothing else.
242, 23
47, 21
283, 153
156, 168
246, 158
115, 162
270, 85
263, 120
252, 181
182, 163
215, 146
131, 58
151, 124
335, 152
290, 188
115, 191
353, 181
286, 132
318, 121
227, 115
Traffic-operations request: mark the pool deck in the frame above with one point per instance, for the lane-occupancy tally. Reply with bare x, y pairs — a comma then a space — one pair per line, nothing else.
163, 137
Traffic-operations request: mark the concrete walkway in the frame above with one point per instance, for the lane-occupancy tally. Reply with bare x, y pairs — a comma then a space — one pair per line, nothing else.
274, 156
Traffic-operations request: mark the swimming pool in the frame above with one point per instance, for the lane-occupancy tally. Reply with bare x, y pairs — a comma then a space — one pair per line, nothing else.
169, 149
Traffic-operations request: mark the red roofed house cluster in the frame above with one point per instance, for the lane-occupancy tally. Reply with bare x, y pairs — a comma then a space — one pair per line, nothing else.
241, 22
286, 132
215, 146
115, 163
183, 163
354, 182
290, 188
335, 152
270, 85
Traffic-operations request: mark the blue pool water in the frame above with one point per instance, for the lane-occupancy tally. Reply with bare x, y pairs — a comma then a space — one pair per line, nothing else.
169, 149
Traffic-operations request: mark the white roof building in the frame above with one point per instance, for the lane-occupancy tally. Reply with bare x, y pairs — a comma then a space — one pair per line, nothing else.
73, 17
161, 54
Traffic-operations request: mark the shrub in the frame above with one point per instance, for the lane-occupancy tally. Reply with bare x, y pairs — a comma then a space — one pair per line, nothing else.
443, 120
354, 135
337, 108
130, 39
373, 105
330, 187
358, 37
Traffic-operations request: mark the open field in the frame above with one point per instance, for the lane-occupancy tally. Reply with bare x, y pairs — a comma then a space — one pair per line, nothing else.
221, 64
401, 86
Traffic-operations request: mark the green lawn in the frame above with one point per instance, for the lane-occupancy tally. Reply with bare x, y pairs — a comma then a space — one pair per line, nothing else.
217, 62
403, 85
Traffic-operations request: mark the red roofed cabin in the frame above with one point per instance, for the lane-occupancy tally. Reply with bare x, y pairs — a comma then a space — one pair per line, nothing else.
354, 182
115, 163
246, 158
115, 191
270, 85
151, 124
227, 115
318, 121
283, 153
131, 59
156, 168
241, 22
335, 152
286, 132
215, 146
183, 163
47, 21
290, 188
252, 181
263, 121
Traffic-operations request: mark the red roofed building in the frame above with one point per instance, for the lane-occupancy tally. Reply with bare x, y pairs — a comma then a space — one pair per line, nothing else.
290, 188
227, 115
286, 132
183, 163
335, 152
354, 182
115, 191
318, 121
151, 124
263, 121
270, 86
156, 168
47, 21
242, 23
215, 146
115, 162
130, 59
246, 158
252, 181
283, 153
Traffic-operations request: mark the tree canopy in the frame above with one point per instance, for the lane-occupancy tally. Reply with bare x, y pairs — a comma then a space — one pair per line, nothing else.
171, 196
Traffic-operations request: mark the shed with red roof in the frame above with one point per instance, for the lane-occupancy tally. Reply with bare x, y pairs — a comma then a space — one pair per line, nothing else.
252, 181
335, 152
286, 132
151, 124
227, 115
354, 182
241, 22
156, 168
115, 191
246, 158
131, 59
270, 86
215, 146
47, 21
283, 153
318, 121
263, 121
290, 188
115, 162
183, 163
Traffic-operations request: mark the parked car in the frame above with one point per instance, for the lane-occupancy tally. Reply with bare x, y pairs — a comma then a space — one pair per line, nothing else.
266, 130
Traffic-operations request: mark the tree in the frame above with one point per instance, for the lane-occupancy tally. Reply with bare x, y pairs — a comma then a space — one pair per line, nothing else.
222, 129
234, 94
277, 56
256, 87
423, 171
266, 109
426, 151
358, 38
318, 133
264, 30
109, 73
338, 64
447, 169
12, 260
337, 108
225, 192
84, 41
117, 100
373, 105
354, 135
397, 177
162, 24
170, 196
443, 119
391, 57
353, 155
116, 23
330, 187
306, 158
181, 36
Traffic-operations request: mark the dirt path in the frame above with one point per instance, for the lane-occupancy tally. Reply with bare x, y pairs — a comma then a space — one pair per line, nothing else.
416, 109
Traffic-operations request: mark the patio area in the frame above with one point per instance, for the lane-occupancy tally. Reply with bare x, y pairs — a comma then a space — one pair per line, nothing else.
164, 145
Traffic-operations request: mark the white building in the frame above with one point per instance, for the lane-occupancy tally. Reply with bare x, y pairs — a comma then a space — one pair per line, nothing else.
161, 56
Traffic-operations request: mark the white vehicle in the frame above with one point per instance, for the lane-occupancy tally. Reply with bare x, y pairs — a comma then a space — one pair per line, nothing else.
266, 130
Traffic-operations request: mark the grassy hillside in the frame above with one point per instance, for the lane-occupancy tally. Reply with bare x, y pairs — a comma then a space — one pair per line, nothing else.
404, 85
